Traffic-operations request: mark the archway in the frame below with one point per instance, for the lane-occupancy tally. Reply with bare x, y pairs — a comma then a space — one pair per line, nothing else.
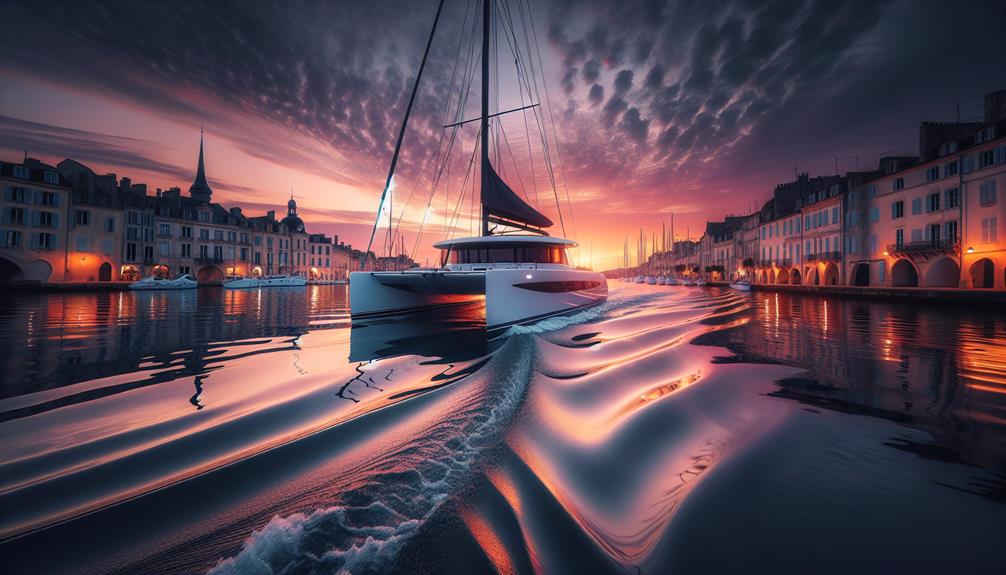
761, 276
812, 276
129, 274
943, 272
161, 271
105, 272
209, 275
10, 271
983, 274
782, 277
831, 274
794, 276
861, 274
38, 270
903, 274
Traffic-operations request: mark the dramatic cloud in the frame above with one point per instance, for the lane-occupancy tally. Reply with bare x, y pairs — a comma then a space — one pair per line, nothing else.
684, 105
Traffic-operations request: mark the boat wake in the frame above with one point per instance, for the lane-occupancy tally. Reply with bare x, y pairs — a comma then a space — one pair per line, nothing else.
395, 493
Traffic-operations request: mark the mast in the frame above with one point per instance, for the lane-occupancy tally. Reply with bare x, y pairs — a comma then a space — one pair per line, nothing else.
486, 7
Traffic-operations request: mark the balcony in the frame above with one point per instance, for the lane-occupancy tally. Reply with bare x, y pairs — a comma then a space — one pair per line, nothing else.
930, 247
825, 257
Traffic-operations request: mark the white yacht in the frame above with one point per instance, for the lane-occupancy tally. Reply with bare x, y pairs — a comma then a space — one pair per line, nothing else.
521, 271
265, 282
184, 281
741, 285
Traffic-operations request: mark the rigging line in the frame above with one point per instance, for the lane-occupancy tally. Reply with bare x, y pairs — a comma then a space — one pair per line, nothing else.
551, 115
514, 162
522, 71
401, 133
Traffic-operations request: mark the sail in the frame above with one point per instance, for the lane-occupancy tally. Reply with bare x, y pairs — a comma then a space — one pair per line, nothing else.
501, 201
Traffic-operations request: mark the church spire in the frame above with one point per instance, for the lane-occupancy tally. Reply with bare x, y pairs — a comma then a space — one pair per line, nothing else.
199, 189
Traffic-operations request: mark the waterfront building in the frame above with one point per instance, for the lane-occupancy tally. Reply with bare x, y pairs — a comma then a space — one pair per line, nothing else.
94, 225
33, 222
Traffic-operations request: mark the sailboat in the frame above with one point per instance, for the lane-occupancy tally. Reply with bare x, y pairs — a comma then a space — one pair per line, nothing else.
523, 273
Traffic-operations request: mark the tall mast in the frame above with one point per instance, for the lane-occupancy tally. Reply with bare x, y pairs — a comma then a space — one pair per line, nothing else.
486, 7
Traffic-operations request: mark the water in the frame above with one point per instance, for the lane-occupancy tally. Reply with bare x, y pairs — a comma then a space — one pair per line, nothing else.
670, 430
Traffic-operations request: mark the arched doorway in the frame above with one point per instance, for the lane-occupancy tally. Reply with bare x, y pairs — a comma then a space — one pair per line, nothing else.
782, 277
903, 274
831, 274
209, 275
161, 271
794, 276
983, 274
943, 272
129, 274
105, 272
812, 276
38, 270
861, 274
10, 271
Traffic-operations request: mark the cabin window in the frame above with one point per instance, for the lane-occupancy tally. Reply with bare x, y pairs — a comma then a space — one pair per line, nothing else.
504, 254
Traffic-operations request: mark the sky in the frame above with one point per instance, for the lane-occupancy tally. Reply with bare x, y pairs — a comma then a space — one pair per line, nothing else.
653, 108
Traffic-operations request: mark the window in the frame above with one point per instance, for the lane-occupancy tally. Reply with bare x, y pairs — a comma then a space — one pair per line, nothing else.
850, 245
148, 235
951, 198
204, 252
933, 233
898, 209
17, 194
875, 214
933, 202
950, 169
218, 235
21, 172
898, 184
952, 232
204, 217
916, 235
990, 232
916, 206
834, 215
187, 232
932, 174
133, 218
232, 236
204, 234
12, 238
218, 252
148, 253
258, 239
130, 252
165, 248
133, 233
110, 224
164, 229
47, 199
186, 214
987, 193
45, 241
881, 271
14, 216
107, 246
46, 220
51, 178
186, 250
244, 254
244, 238
851, 219
986, 159
82, 244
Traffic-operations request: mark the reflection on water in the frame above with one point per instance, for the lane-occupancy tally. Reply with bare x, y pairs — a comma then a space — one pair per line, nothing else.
670, 429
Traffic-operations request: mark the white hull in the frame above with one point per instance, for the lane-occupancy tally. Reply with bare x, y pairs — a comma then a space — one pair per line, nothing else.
513, 296
183, 282
741, 286
265, 282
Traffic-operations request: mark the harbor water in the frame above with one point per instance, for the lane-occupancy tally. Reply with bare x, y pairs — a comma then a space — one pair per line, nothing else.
669, 430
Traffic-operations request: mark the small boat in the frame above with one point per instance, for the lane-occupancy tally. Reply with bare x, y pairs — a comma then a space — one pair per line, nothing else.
265, 282
741, 285
671, 282
184, 281
650, 280
687, 282
639, 279
661, 280
700, 282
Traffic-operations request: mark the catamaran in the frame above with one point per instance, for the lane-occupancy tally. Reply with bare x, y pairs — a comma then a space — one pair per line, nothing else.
523, 273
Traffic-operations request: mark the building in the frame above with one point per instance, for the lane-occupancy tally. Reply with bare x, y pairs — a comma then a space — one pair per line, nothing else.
34, 222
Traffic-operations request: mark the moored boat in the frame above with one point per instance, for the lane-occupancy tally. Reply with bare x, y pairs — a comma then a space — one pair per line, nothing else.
741, 285
265, 282
184, 281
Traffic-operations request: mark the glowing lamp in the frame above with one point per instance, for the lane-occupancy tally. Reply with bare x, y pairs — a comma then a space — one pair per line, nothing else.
885, 253
528, 276
971, 249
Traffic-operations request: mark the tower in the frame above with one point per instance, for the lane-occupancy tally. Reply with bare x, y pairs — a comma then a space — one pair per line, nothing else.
200, 190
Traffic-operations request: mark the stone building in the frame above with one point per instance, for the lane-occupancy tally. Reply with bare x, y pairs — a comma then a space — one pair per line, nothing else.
34, 222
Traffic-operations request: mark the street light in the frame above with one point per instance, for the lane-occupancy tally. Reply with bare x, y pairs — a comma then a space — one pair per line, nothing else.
971, 249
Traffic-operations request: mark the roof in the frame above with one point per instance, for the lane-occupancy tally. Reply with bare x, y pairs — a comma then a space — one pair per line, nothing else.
504, 239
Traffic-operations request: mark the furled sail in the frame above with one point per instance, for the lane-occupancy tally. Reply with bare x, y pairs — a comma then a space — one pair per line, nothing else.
501, 201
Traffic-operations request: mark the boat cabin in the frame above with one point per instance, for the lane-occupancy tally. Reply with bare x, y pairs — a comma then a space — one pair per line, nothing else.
503, 252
